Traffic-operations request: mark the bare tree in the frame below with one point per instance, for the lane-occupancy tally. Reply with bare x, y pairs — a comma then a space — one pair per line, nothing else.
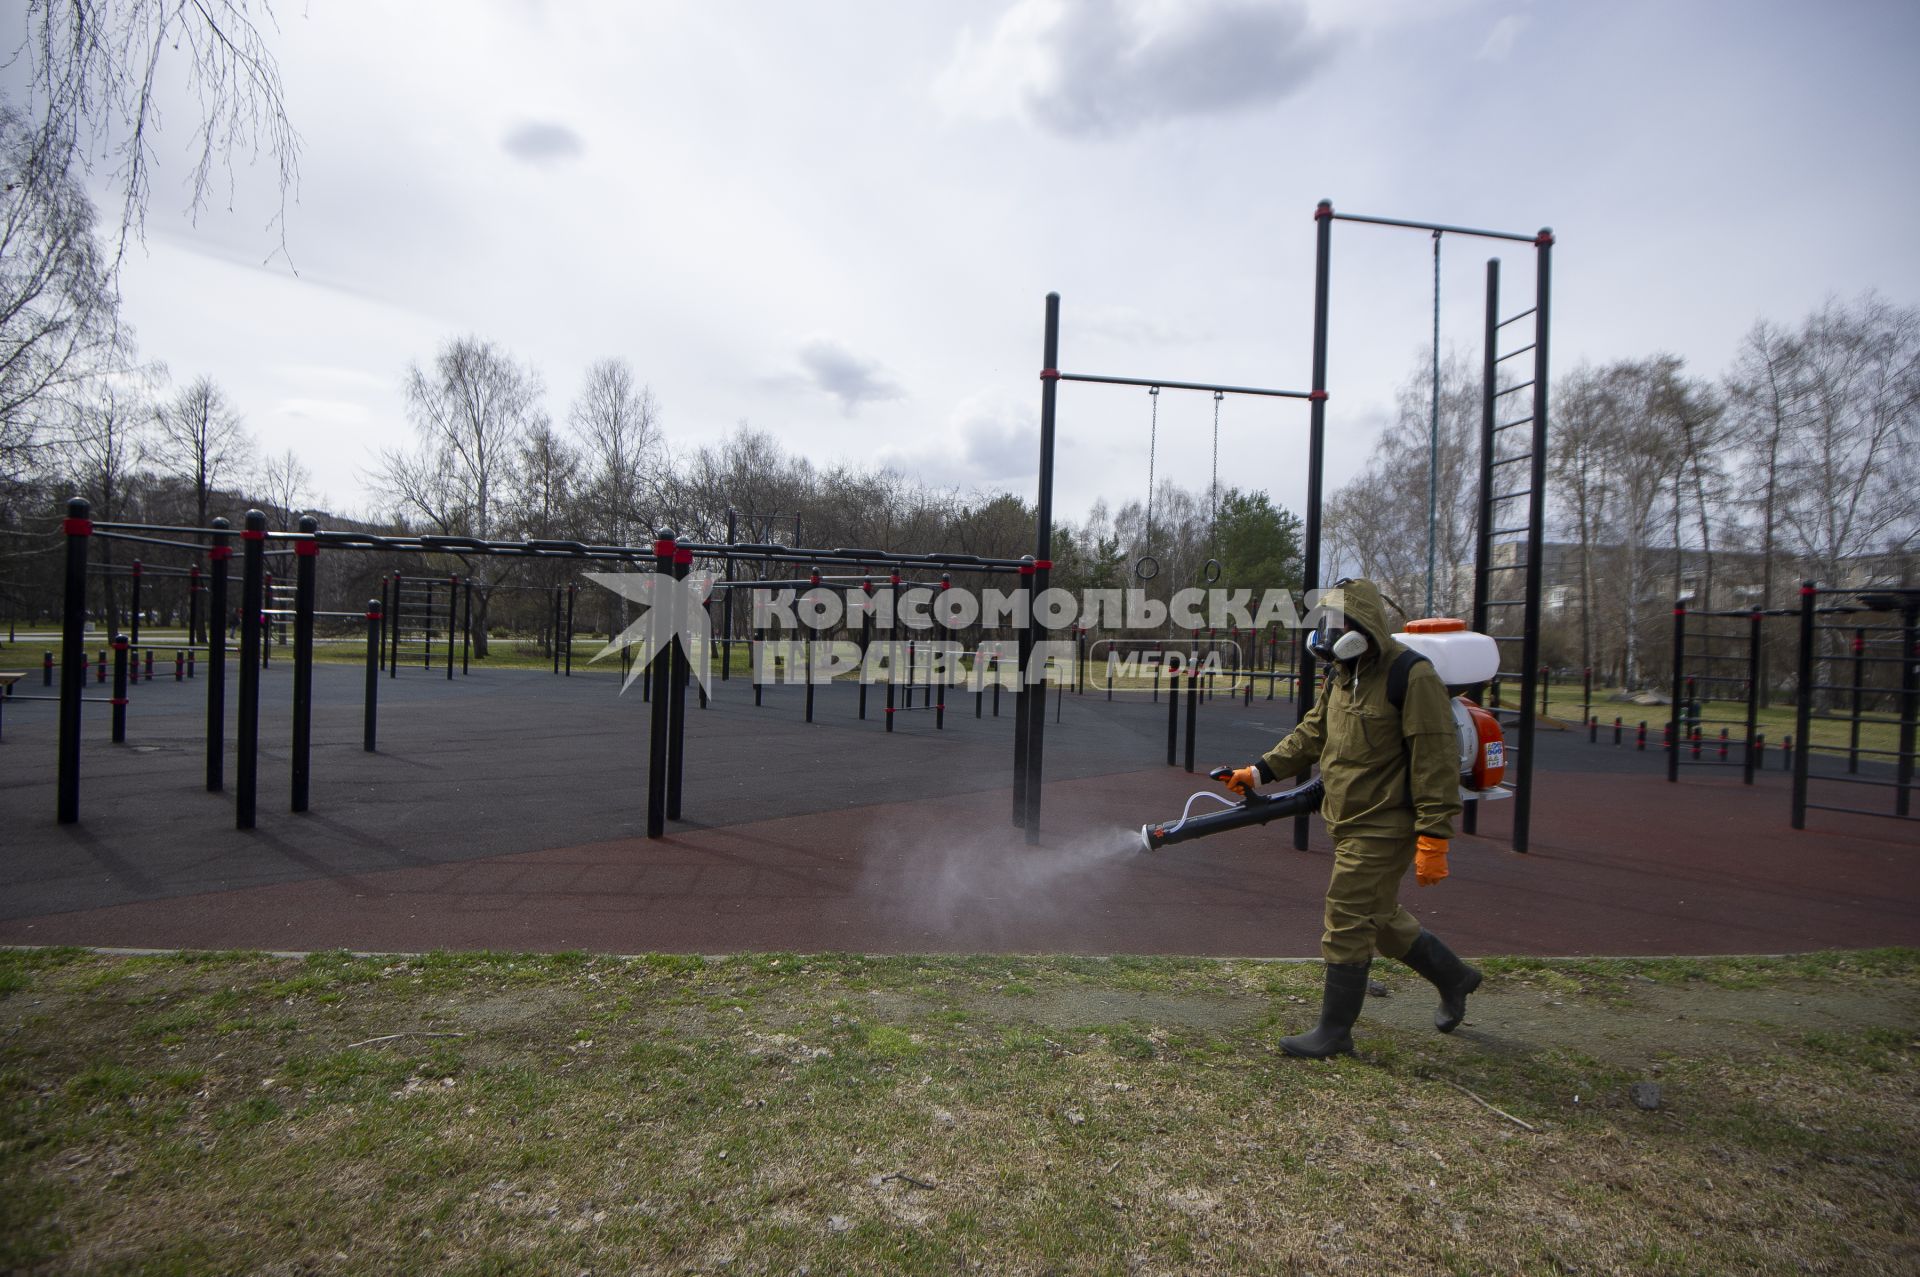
471, 409
284, 481
96, 67
57, 314
201, 441
618, 423
107, 436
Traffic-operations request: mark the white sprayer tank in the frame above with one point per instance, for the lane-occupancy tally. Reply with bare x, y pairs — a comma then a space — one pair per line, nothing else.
1460, 656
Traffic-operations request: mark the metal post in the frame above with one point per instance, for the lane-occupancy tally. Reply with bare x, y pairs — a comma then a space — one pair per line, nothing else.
1042, 557
399, 614
1803, 707
1752, 760
1536, 532
253, 542
726, 614
806, 654
1193, 712
939, 644
134, 636
659, 671
1316, 462
554, 629
73, 656
375, 617
679, 662
1909, 704
1173, 715
218, 556
866, 639
466, 623
1678, 716
120, 646
573, 591
1853, 729
305, 556
453, 619
260, 618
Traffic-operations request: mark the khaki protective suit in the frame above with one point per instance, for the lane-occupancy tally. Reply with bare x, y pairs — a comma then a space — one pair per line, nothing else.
1390, 775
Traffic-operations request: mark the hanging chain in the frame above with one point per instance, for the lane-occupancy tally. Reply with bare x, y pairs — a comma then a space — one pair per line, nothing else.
1213, 510
1153, 435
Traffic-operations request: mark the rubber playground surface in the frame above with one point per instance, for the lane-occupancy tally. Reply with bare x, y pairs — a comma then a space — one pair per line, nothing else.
506, 810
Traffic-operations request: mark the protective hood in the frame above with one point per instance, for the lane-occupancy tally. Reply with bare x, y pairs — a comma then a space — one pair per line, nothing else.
1360, 603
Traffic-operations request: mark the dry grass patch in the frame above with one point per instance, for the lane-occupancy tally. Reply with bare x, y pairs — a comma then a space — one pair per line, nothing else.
493, 1113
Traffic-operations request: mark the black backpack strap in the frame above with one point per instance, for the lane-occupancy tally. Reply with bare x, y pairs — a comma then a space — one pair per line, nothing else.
1397, 675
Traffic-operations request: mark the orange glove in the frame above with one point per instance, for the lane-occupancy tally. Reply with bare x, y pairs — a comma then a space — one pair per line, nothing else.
1429, 860
1241, 780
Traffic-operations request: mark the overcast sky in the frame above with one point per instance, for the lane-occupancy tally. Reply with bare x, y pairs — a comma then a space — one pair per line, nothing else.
837, 221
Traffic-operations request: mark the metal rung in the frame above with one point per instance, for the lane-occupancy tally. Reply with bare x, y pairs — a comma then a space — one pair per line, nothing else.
1500, 532
1507, 461
1510, 389
1504, 602
1508, 496
1517, 421
1507, 567
1516, 318
1507, 638
1511, 353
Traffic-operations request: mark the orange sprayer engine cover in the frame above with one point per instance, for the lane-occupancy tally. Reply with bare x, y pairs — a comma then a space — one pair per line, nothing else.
1483, 747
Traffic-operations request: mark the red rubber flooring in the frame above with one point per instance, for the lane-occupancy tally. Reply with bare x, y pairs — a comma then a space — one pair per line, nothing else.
1622, 863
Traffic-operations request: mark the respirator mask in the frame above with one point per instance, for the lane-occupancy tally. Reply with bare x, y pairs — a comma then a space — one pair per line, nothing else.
1345, 646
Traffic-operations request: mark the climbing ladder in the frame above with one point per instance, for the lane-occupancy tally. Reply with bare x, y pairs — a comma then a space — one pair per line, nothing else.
1512, 519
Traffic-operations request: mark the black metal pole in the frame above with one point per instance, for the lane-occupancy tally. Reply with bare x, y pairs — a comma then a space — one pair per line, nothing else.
1679, 714
1803, 708
1536, 534
573, 591
811, 633
193, 604
1043, 555
375, 616
73, 655
466, 623
1909, 705
453, 619
939, 650
306, 555
893, 651
1023, 656
726, 613
1173, 716
554, 629
253, 544
1193, 713
134, 611
120, 646
218, 556
866, 638
1752, 760
1316, 461
659, 671
399, 614
681, 666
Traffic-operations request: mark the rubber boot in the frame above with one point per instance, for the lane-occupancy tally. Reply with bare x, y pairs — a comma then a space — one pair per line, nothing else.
1340, 1001
1447, 973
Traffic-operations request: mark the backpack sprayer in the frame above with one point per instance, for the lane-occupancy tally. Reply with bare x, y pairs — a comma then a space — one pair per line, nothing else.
1462, 658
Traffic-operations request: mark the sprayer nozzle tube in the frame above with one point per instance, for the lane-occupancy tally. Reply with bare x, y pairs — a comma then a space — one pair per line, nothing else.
1258, 809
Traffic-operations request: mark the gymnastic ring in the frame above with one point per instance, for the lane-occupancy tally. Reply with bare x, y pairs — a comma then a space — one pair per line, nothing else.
1210, 572
1146, 567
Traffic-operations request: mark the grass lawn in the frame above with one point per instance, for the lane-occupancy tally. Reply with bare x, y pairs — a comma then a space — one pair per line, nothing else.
491, 1113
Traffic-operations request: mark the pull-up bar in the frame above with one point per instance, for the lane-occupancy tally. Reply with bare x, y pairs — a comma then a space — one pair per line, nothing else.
1442, 229
1054, 374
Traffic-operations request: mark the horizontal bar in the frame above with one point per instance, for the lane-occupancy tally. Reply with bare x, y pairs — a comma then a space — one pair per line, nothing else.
1500, 532
1509, 496
1517, 421
188, 546
1434, 226
1504, 602
166, 527
1861, 811
1514, 319
1507, 461
1712, 762
1865, 720
1511, 353
1862, 780
1511, 389
1508, 638
1187, 385
1849, 749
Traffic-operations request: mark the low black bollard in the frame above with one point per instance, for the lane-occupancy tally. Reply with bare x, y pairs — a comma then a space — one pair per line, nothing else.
1193, 707
1640, 742
375, 619
46, 670
119, 689
149, 671
1786, 754
1593, 729
1723, 742
101, 677
1616, 729
179, 667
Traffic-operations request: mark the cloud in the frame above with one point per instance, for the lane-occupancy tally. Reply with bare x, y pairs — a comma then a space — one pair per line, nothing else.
1107, 68
541, 142
828, 366
990, 440
1500, 40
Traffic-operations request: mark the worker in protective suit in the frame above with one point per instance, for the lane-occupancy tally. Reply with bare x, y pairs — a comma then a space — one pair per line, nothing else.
1392, 777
